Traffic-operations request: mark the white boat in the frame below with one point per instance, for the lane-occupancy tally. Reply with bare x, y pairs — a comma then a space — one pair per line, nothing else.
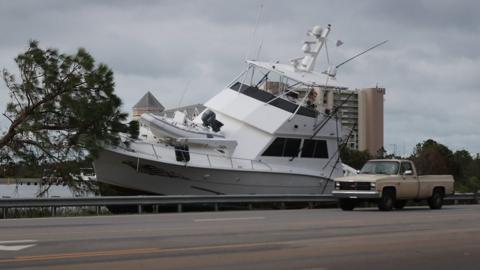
86, 174
265, 133
177, 127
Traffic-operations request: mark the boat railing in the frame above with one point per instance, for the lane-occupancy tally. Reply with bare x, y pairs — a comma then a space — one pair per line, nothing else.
166, 152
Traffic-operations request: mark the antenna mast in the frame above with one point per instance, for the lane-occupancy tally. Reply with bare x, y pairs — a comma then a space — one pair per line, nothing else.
311, 49
254, 33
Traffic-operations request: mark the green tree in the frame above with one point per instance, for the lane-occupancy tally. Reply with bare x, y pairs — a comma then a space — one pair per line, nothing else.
381, 153
134, 129
354, 158
62, 109
463, 165
472, 184
431, 157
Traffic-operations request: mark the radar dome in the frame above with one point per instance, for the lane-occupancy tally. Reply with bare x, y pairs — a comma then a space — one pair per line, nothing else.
317, 30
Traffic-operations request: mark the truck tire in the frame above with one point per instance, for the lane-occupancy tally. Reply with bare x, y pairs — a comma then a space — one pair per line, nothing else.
346, 204
436, 201
387, 201
399, 204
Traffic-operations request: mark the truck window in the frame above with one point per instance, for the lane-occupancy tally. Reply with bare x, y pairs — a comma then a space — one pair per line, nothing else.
406, 166
380, 167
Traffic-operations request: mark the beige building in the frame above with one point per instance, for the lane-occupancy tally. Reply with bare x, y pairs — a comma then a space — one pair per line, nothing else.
360, 111
370, 119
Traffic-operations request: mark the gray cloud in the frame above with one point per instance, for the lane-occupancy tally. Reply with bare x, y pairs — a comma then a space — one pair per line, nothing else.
429, 66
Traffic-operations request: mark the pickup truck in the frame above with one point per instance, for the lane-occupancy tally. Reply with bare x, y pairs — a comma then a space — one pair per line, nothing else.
391, 183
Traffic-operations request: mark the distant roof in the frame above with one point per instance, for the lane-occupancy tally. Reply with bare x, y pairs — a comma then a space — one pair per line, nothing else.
191, 110
149, 101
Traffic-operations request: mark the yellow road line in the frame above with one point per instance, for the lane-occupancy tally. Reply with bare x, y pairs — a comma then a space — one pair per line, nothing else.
59, 256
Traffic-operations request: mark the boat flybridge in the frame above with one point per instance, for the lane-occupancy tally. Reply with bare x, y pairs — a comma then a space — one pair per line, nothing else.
267, 132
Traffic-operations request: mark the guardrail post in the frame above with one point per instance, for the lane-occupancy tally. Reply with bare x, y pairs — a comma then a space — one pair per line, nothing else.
179, 208
5, 211
155, 208
310, 205
250, 206
54, 210
98, 209
139, 207
475, 197
215, 206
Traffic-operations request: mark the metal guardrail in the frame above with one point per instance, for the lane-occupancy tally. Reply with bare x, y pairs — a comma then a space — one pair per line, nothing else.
140, 201
179, 200
473, 197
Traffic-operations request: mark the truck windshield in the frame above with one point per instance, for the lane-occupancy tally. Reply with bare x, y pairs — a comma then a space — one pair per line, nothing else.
380, 167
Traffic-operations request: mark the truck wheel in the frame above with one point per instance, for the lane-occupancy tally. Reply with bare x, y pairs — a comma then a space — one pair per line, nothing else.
436, 201
346, 204
399, 204
387, 201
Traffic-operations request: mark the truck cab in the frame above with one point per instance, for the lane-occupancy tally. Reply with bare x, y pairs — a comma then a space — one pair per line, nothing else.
391, 183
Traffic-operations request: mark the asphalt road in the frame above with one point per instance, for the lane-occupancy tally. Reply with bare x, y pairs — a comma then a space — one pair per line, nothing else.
415, 238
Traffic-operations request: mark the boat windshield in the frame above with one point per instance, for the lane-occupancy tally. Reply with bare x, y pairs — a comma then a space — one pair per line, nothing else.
276, 89
380, 167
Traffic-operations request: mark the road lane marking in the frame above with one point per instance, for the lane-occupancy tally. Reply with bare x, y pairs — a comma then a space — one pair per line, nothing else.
105, 253
17, 241
15, 248
226, 219
10, 247
126, 252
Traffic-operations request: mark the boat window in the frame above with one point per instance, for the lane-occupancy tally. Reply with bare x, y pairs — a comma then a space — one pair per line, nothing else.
291, 148
264, 96
283, 147
314, 149
276, 148
181, 153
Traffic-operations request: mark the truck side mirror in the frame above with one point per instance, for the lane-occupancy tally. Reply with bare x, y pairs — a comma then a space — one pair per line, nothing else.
408, 172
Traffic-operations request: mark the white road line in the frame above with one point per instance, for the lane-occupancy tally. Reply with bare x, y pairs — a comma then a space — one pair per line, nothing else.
227, 219
16, 247
17, 241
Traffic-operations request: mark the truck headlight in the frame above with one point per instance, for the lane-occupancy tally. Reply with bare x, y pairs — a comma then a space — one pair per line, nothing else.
372, 185
337, 185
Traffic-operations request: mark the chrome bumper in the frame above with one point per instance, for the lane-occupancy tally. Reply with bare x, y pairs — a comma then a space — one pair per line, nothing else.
356, 194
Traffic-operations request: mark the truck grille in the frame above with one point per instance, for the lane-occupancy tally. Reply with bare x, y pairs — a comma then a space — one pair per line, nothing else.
355, 185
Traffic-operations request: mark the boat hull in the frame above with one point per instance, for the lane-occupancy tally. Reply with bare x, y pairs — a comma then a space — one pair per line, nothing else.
117, 169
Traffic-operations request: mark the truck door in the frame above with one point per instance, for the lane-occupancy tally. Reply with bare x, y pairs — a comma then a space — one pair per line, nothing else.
408, 188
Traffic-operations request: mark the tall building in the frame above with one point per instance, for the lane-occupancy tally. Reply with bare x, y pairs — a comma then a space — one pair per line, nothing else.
361, 114
370, 119
147, 104
347, 100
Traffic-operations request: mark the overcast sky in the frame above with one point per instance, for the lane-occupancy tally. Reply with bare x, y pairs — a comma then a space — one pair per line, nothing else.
430, 66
